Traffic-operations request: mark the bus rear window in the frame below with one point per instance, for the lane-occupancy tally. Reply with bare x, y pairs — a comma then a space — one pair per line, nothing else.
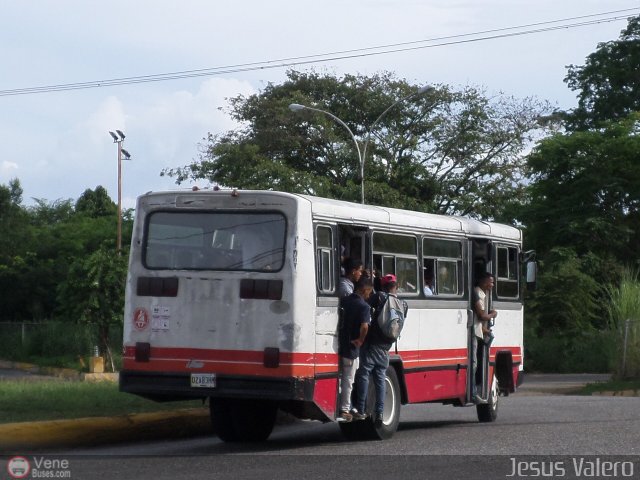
214, 241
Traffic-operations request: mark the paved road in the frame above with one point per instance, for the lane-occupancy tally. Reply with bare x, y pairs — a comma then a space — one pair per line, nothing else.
431, 438
436, 437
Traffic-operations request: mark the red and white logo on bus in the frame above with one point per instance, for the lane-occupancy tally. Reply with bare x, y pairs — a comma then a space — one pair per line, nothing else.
140, 319
18, 467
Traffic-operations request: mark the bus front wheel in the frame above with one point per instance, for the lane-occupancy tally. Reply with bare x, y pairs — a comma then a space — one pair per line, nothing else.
489, 412
236, 420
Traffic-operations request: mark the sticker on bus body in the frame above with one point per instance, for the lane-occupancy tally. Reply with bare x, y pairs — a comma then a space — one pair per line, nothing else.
203, 380
160, 317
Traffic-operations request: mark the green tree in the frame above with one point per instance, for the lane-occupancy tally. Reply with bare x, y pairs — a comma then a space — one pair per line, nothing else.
96, 203
40, 242
582, 208
94, 293
15, 303
46, 214
12, 219
565, 302
443, 151
585, 192
608, 84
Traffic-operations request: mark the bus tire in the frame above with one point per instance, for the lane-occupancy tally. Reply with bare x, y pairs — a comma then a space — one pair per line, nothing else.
235, 420
367, 429
489, 412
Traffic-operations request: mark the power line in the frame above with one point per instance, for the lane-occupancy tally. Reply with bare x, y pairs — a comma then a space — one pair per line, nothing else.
532, 28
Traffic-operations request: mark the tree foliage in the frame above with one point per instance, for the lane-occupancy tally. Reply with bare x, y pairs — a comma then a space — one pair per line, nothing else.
12, 218
582, 206
443, 151
585, 192
608, 84
565, 302
96, 203
41, 242
94, 292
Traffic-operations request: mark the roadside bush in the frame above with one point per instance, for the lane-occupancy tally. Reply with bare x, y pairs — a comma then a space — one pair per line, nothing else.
54, 343
588, 352
624, 317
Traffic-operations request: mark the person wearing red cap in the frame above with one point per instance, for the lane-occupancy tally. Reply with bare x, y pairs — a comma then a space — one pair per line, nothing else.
374, 356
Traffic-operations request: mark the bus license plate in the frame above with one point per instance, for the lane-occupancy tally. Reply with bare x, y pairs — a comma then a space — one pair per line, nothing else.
203, 380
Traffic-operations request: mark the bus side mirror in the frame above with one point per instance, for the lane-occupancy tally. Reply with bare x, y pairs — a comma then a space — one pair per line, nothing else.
532, 272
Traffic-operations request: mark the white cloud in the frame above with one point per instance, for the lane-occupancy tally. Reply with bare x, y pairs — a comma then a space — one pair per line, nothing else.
109, 116
171, 126
7, 169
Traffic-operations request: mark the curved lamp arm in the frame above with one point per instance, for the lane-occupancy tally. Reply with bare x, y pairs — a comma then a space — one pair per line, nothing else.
296, 107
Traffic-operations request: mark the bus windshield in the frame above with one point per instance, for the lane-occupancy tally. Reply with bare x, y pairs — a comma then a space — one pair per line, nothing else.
214, 241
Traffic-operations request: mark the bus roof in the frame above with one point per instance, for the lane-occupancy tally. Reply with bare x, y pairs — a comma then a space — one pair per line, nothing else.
331, 210
372, 214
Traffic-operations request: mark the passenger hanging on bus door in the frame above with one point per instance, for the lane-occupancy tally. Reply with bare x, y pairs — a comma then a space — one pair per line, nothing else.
481, 318
356, 318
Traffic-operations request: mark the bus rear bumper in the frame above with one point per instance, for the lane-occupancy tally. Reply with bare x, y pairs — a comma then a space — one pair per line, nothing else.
304, 397
177, 386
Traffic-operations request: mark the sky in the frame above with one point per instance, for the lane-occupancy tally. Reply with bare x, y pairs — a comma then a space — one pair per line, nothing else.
57, 143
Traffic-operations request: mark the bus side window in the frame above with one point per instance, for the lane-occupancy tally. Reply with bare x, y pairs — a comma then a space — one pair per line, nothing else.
397, 254
507, 278
442, 262
325, 270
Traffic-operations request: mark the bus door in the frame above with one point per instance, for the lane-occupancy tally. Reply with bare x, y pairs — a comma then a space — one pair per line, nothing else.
333, 244
481, 260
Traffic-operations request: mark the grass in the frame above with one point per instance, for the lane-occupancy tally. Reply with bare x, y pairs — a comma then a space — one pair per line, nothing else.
610, 386
23, 401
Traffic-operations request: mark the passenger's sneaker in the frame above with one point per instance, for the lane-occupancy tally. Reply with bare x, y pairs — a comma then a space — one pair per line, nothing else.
478, 400
345, 417
358, 416
377, 421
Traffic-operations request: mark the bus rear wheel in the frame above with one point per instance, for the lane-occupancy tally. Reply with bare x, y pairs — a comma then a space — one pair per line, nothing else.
367, 429
240, 420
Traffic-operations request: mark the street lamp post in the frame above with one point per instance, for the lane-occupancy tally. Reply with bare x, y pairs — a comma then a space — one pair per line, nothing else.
295, 107
127, 156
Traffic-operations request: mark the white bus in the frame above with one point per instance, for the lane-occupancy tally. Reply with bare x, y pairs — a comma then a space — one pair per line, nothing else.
231, 296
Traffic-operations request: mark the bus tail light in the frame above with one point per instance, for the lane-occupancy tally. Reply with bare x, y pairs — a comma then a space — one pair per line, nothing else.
261, 289
157, 287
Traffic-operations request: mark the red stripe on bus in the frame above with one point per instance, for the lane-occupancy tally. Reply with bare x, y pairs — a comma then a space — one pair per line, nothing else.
296, 364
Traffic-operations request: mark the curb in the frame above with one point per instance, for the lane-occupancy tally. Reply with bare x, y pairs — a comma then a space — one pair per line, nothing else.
25, 437
567, 390
617, 393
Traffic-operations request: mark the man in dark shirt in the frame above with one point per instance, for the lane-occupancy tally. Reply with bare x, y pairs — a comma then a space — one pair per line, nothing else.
356, 317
